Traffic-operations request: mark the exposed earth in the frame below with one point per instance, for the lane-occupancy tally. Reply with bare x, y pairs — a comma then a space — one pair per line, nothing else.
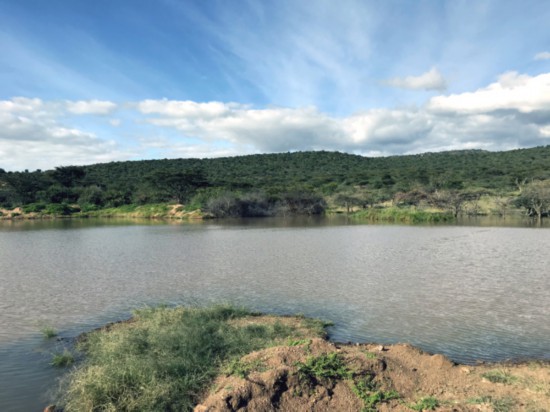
317, 375
314, 374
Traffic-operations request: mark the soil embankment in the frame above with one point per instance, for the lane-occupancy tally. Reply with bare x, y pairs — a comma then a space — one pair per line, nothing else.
378, 378
269, 363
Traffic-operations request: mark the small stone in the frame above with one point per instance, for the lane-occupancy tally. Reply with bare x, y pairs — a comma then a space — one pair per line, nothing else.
382, 365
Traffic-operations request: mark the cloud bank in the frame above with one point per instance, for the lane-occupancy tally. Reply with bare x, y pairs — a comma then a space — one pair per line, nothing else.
512, 112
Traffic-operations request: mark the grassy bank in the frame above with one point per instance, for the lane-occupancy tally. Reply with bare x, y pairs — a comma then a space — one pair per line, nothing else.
226, 359
149, 211
402, 215
163, 359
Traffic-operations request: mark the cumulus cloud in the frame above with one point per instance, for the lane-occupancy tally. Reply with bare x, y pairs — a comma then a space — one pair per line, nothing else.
431, 80
272, 129
34, 134
512, 112
98, 107
179, 109
512, 91
542, 56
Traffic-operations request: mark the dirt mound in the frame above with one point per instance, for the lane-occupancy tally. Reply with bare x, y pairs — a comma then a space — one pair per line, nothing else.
316, 375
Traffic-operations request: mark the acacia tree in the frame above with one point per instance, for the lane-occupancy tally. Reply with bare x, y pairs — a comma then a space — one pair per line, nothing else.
450, 200
347, 201
535, 197
411, 198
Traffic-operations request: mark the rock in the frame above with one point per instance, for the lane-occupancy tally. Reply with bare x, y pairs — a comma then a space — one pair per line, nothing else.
381, 365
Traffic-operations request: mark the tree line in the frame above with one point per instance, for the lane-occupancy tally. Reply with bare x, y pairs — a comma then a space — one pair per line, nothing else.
287, 183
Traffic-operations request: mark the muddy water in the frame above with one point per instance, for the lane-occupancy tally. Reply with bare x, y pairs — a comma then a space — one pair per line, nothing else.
470, 292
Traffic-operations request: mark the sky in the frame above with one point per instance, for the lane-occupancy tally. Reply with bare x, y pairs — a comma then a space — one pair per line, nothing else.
84, 82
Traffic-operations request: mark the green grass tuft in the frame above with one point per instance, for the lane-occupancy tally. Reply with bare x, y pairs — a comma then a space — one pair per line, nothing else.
60, 360
48, 332
368, 391
165, 358
242, 369
506, 404
299, 342
370, 355
428, 403
500, 376
327, 367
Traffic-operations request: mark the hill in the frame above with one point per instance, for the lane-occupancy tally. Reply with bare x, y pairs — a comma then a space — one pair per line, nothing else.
278, 180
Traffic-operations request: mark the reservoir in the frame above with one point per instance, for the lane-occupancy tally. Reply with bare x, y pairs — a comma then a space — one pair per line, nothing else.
473, 292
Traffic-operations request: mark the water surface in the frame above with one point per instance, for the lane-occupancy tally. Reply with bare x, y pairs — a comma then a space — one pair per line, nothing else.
470, 292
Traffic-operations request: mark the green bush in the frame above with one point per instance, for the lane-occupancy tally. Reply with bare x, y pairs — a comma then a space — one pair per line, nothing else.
62, 209
34, 208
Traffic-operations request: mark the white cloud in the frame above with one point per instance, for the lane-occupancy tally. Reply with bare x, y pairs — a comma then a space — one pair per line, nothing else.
174, 108
542, 56
431, 80
512, 112
34, 134
512, 91
98, 107
273, 129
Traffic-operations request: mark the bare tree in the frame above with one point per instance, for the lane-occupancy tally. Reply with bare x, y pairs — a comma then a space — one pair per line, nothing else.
502, 203
535, 197
521, 184
451, 200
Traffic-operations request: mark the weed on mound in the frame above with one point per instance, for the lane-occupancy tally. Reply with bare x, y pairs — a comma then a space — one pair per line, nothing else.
166, 357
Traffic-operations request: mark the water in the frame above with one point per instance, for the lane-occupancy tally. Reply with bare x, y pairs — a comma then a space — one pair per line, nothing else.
470, 292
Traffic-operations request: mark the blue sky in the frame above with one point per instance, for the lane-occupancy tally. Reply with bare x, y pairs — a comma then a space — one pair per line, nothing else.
92, 81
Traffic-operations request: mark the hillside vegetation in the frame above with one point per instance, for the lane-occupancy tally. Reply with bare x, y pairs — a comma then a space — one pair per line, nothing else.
289, 183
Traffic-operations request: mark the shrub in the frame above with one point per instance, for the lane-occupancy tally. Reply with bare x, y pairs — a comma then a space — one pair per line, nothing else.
34, 208
62, 209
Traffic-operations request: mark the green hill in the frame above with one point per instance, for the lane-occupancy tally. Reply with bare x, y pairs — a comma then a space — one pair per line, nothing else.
273, 176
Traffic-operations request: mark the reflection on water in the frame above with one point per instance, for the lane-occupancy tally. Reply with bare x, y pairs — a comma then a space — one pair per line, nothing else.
471, 292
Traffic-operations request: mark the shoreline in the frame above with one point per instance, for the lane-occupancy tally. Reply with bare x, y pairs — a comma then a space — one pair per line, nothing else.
305, 371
